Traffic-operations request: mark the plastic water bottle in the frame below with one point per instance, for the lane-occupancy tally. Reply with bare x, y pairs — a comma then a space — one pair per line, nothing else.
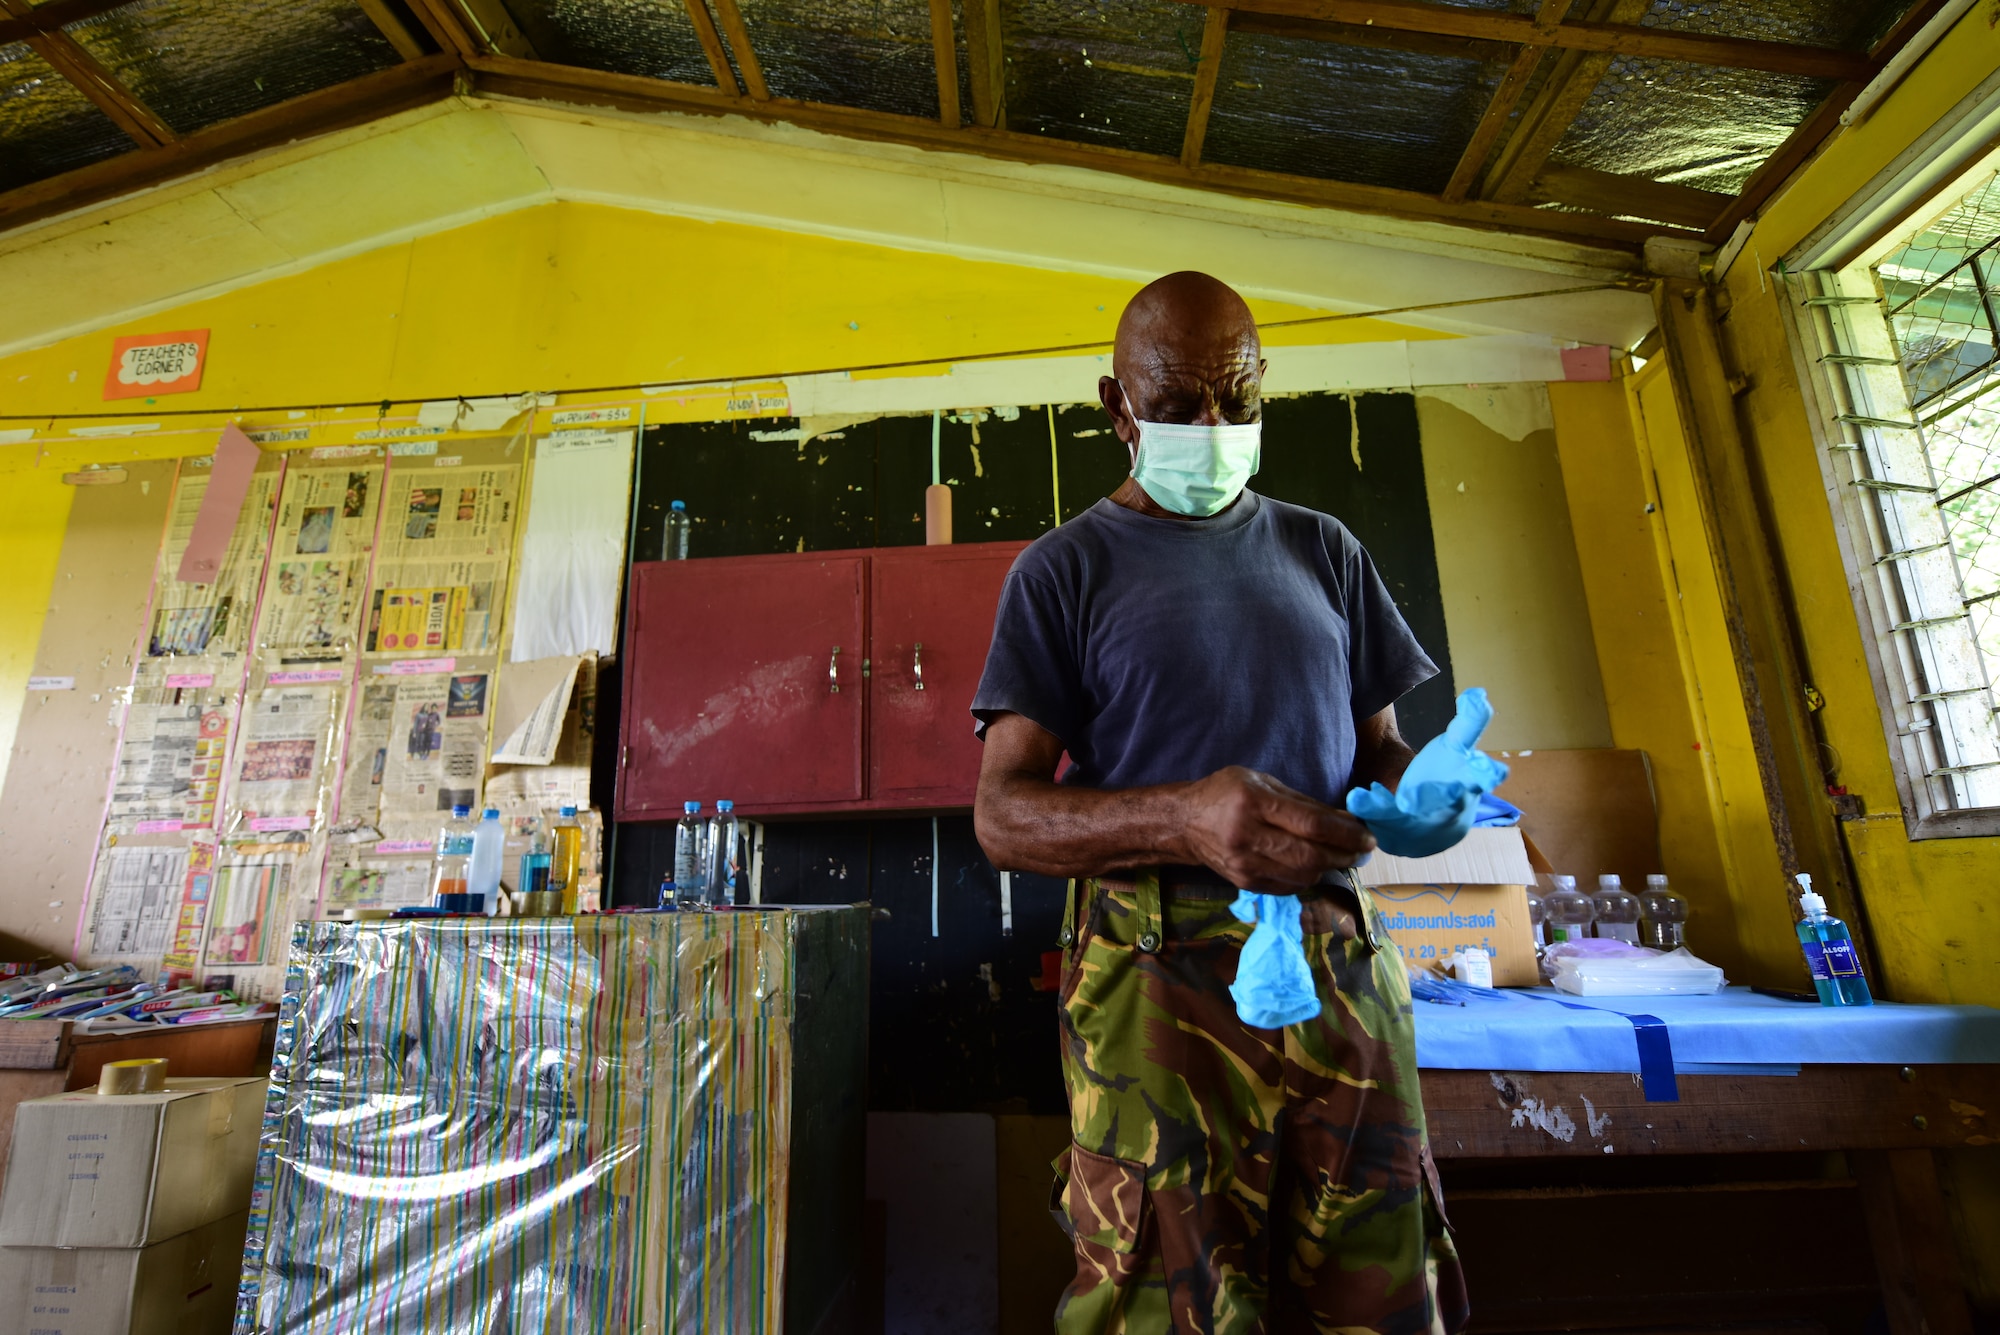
1617, 910
1836, 969
721, 856
451, 865
674, 542
1567, 911
484, 877
689, 836
533, 887
1664, 915
566, 859
1536, 918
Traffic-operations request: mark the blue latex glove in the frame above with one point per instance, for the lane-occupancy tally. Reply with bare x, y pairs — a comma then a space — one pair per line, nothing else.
1274, 985
1435, 804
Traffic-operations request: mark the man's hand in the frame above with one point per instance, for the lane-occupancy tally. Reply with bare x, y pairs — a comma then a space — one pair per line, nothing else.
1244, 826
1257, 834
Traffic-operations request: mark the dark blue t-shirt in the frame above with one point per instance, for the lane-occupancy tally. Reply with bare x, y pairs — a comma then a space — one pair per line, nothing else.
1161, 650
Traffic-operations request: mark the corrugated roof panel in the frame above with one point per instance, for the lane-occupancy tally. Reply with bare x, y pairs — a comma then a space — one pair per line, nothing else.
1362, 114
46, 125
651, 38
1693, 125
195, 64
1118, 73
873, 54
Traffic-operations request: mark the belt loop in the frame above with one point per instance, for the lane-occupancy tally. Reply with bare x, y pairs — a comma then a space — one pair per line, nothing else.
1068, 937
1147, 886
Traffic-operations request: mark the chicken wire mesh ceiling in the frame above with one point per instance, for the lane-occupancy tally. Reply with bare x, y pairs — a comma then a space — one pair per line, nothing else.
1506, 113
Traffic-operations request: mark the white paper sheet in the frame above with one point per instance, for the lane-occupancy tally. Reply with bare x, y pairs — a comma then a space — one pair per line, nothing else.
542, 689
573, 545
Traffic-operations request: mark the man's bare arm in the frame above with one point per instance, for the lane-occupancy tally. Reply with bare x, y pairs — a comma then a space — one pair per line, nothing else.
1380, 753
1247, 827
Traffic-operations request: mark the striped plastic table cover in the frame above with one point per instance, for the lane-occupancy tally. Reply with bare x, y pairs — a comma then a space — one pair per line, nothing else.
527, 1125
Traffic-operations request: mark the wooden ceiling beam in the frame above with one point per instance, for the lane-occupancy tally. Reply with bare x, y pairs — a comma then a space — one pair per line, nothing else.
985, 52
68, 58
1360, 34
398, 88
944, 54
535, 81
1628, 39
448, 26
739, 42
497, 29
1547, 119
1628, 196
394, 31
1214, 33
1501, 106
711, 47
49, 17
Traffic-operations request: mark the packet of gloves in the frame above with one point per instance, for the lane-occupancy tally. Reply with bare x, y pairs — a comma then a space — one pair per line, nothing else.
1431, 810
1600, 968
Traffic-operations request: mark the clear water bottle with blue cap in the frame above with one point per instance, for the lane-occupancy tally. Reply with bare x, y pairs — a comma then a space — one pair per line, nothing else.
689, 856
674, 541
721, 856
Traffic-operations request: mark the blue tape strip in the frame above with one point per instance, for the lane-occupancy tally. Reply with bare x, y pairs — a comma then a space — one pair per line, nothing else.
1656, 1050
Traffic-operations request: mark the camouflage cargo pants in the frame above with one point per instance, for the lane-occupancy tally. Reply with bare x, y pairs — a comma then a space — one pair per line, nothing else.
1229, 1180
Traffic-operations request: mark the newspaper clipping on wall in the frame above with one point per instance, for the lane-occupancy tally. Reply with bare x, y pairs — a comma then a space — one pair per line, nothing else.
320, 549
210, 620
173, 755
441, 576
136, 901
282, 753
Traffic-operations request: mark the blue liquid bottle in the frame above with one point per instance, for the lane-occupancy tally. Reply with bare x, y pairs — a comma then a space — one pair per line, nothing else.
1836, 969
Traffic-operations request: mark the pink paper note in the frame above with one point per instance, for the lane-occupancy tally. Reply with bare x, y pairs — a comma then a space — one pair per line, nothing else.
402, 846
156, 827
190, 681
228, 483
266, 824
305, 678
1588, 363
418, 667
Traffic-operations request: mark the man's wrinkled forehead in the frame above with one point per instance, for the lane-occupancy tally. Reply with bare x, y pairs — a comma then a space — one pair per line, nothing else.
1203, 333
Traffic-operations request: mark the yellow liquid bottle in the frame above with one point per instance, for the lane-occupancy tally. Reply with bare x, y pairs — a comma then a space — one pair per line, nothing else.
566, 858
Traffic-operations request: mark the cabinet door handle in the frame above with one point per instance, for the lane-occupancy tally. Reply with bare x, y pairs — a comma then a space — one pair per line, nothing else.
833, 672
917, 665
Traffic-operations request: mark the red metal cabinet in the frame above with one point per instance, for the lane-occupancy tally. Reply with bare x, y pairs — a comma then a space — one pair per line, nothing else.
930, 622
730, 666
730, 676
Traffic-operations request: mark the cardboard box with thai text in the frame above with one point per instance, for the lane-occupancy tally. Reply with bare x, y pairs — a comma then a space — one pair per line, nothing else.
90, 1170
1472, 895
185, 1285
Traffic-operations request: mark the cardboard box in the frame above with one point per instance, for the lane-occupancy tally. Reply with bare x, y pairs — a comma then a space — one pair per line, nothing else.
90, 1171
1473, 895
185, 1285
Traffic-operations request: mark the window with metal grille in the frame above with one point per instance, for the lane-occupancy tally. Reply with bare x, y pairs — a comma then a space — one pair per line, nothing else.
1907, 371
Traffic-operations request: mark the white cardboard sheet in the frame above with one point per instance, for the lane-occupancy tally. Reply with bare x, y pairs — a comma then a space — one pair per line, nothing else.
573, 547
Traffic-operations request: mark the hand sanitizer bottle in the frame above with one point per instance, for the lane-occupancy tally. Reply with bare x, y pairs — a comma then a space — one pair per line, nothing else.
1836, 969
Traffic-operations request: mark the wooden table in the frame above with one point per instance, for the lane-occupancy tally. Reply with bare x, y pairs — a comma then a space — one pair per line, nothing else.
43, 1057
1886, 1121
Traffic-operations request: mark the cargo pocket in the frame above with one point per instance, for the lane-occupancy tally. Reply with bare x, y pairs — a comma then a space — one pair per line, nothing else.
1103, 1206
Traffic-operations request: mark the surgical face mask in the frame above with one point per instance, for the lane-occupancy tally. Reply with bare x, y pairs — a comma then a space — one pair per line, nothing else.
1196, 470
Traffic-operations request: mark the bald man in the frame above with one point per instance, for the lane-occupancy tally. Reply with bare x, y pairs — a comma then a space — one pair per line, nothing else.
1220, 668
